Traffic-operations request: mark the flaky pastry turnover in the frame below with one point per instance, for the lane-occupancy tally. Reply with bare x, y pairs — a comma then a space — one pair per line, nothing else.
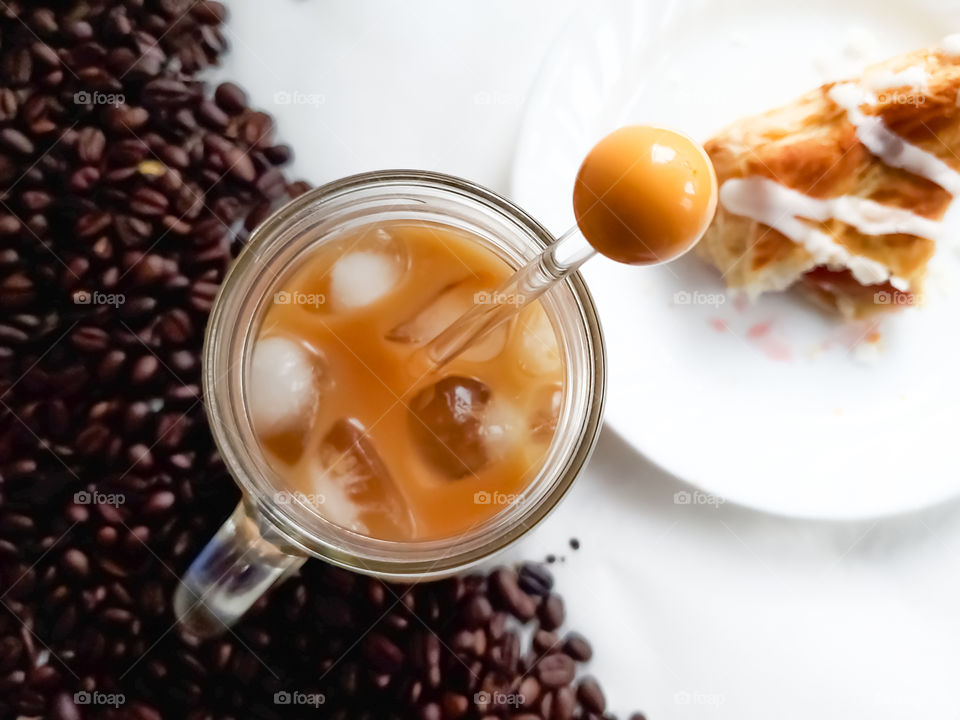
840, 192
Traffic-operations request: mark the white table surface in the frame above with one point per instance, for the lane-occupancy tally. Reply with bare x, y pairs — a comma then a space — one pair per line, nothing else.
695, 611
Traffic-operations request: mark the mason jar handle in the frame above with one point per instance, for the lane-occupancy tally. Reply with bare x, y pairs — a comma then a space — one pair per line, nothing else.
236, 567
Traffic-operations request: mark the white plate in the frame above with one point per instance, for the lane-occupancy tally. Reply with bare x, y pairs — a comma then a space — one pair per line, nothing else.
772, 405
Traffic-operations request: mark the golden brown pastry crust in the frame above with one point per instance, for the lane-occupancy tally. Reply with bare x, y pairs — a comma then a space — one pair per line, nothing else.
811, 146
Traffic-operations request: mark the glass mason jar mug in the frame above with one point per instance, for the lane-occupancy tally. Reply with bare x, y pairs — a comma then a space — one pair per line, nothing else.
272, 532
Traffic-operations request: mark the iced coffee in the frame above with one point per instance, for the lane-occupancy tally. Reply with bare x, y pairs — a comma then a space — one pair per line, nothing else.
351, 418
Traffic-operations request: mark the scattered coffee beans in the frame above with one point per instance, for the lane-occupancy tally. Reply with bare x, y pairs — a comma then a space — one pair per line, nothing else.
127, 187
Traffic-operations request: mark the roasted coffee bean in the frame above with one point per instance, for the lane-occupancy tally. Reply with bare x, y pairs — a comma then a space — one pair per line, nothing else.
13, 139
427, 651
239, 164
382, 653
577, 647
454, 705
144, 369
559, 704
176, 326
202, 295
8, 104
503, 582
17, 290
84, 180
35, 200
529, 691
535, 578
551, 612
469, 642
296, 189
505, 656
209, 12
477, 611
12, 336
126, 118
76, 563
256, 129
62, 707
430, 711
160, 501
8, 226
148, 202
279, 154
141, 711
591, 696
43, 21
211, 115
92, 224
271, 184
148, 269
231, 98
79, 30
183, 361
555, 670
90, 339
45, 54
260, 213
545, 641
165, 93
91, 143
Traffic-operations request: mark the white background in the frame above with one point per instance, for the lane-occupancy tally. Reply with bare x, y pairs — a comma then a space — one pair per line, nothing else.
695, 611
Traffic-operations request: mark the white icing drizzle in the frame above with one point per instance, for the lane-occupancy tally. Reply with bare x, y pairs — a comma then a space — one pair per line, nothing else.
887, 145
951, 45
784, 209
914, 77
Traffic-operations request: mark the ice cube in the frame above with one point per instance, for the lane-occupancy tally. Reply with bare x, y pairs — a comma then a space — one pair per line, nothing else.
503, 426
539, 352
283, 386
545, 411
368, 270
357, 489
438, 312
447, 424
460, 427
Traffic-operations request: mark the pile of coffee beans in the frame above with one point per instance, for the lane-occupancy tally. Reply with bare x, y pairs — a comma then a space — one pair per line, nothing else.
126, 187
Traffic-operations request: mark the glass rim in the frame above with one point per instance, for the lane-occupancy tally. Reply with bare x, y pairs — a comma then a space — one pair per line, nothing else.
384, 558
